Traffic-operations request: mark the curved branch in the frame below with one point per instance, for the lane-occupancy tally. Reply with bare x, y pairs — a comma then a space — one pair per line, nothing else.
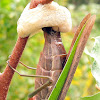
6, 76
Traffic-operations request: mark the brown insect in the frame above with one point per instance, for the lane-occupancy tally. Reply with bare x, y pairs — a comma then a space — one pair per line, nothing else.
52, 60
51, 63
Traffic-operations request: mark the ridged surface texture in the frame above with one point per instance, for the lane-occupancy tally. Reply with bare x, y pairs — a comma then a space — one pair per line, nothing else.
51, 62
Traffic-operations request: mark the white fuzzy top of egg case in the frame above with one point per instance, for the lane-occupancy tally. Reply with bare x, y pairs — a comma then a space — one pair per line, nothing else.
47, 15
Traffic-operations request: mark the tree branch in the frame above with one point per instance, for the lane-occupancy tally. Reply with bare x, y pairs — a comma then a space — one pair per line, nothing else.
6, 76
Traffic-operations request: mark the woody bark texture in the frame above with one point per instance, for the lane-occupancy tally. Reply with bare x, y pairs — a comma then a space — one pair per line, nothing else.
6, 76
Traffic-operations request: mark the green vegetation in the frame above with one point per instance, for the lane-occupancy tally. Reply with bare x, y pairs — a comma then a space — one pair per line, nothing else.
60, 82
83, 83
93, 97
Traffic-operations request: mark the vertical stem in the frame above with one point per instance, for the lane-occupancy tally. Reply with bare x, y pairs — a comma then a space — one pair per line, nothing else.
7, 75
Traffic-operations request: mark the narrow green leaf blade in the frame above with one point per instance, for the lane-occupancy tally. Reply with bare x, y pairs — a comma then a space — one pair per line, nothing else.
59, 85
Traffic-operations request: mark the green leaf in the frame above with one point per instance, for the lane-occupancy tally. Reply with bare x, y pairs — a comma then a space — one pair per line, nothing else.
95, 53
60, 82
93, 97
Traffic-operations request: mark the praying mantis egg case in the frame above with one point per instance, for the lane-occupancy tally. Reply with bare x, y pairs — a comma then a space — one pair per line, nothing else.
47, 15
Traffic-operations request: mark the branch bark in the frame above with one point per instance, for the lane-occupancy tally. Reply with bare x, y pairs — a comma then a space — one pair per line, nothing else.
6, 76
34, 3
83, 40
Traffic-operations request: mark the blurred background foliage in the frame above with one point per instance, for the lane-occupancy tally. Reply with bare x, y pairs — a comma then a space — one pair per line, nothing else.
83, 83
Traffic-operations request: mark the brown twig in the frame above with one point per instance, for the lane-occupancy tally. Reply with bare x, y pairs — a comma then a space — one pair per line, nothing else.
83, 40
34, 3
6, 76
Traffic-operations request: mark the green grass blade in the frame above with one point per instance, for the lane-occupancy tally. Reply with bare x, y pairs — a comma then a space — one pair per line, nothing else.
61, 80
